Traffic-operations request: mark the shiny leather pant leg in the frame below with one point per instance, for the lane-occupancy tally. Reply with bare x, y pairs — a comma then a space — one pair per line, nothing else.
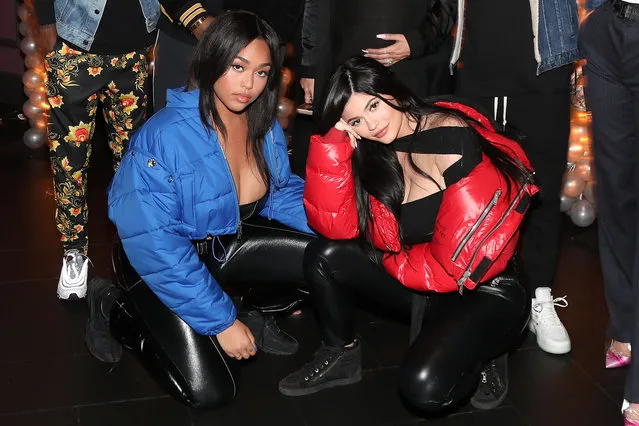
190, 366
459, 333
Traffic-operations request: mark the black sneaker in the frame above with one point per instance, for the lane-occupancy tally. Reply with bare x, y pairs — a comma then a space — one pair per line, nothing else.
330, 367
101, 295
493, 384
268, 336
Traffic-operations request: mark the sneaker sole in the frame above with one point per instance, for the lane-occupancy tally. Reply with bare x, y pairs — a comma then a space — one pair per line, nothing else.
315, 389
72, 294
555, 349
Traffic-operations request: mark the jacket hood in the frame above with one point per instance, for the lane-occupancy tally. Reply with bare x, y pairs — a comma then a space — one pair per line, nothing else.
183, 98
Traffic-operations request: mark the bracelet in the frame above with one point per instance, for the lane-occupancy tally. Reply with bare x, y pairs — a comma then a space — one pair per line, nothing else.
195, 25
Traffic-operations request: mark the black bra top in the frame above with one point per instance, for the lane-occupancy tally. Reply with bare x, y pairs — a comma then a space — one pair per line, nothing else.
250, 209
418, 217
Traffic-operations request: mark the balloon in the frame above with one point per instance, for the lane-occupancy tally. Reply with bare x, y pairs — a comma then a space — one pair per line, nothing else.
582, 213
287, 77
284, 121
32, 79
30, 110
23, 12
575, 152
38, 122
37, 97
34, 138
33, 61
566, 203
28, 46
24, 29
573, 185
285, 108
583, 169
589, 193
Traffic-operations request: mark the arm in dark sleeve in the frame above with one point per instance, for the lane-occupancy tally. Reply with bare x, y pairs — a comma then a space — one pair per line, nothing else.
45, 11
315, 35
434, 30
183, 12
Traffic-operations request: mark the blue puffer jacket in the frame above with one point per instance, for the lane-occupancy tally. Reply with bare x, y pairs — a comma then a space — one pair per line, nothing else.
174, 186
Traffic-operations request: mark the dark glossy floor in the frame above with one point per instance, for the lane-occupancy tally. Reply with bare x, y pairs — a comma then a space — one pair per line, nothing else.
47, 376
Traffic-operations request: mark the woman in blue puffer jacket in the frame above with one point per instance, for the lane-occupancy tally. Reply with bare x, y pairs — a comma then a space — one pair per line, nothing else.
205, 198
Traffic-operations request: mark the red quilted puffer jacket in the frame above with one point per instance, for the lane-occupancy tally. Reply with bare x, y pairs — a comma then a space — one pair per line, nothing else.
476, 229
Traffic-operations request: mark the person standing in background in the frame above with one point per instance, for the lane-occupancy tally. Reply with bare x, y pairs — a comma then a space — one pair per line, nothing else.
96, 54
609, 40
412, 37
514, 58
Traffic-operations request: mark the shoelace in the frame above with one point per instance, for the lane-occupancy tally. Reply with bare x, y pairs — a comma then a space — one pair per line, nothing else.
74, 260
321, 360
549, 316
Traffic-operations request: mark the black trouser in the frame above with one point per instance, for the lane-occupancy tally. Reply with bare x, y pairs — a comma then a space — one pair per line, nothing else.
611, 47
172, 59
543, 121
459, 333
191, 366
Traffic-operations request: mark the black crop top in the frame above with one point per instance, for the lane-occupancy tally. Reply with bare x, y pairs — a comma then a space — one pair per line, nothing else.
418, 217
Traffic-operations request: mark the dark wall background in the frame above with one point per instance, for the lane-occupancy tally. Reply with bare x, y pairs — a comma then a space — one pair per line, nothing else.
11, 61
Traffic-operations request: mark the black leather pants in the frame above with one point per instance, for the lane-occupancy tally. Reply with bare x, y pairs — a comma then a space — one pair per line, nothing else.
456, 333
190, 366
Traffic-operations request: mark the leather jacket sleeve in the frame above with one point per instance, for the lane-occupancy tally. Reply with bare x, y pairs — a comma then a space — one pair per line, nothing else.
435, 29
183, 12
315, 35
329, 196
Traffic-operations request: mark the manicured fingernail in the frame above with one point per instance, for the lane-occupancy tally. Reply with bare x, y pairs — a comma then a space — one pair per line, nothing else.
381, 36
364, 50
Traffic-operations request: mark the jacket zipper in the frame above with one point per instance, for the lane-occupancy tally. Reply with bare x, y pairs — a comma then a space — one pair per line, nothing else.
466, 274
237, 199
477, 224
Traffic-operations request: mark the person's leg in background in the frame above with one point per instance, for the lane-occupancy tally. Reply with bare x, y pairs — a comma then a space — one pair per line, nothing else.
172, 58
124, 100
74, 79
612, 70
542, 123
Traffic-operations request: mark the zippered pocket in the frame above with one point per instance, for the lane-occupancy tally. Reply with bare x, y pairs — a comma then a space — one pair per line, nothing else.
482, 217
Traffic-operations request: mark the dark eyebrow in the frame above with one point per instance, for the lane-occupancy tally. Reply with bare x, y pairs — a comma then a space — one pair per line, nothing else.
365, 108
246, 61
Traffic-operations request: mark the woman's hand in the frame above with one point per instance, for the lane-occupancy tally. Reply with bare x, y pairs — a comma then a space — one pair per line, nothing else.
237, 341
392, 54
352, 134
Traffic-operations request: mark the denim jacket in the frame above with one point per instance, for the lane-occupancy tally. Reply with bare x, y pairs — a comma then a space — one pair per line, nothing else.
593, 4
555, 26
77, 20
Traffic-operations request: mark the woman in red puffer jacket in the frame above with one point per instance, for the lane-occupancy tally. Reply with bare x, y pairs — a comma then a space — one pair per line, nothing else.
423, 194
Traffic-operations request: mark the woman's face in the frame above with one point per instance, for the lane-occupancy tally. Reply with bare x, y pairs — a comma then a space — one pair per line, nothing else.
245, 79
372, 118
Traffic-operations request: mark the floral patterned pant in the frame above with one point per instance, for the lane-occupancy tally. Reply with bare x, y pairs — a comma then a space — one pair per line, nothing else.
76, 82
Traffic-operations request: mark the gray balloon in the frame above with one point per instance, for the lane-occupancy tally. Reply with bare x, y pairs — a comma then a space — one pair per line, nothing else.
32, 79
30, 110
24, 29
33, 61
582, 213
28, 46
566, 203
34, 138
23, 12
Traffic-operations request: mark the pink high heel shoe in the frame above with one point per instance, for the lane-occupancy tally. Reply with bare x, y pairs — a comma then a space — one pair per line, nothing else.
615, 360
626, 410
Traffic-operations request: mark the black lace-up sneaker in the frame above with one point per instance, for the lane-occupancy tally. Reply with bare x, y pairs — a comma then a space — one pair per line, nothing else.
493, 385
269, 337
330, 367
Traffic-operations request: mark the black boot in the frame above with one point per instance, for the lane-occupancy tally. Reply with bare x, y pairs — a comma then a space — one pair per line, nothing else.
330, 367
268, 336
493, 384
101, 295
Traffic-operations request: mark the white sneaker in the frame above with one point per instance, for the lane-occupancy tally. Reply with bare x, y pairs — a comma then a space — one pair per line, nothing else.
73, 277
552, 336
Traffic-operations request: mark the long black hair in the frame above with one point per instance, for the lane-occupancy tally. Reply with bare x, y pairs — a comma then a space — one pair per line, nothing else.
214, 54
376, 168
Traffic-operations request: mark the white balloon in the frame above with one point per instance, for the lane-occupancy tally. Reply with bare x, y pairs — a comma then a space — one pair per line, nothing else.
582, 213
32, 79
566, 203
30, 110
28, 46
34, 138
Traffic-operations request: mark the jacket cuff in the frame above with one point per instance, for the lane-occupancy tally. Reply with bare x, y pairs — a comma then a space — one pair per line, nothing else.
184, 13
415, 43
306, 71
335, 136
45, 12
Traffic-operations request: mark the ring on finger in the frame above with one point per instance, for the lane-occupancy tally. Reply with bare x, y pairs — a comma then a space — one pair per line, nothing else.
389, 61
